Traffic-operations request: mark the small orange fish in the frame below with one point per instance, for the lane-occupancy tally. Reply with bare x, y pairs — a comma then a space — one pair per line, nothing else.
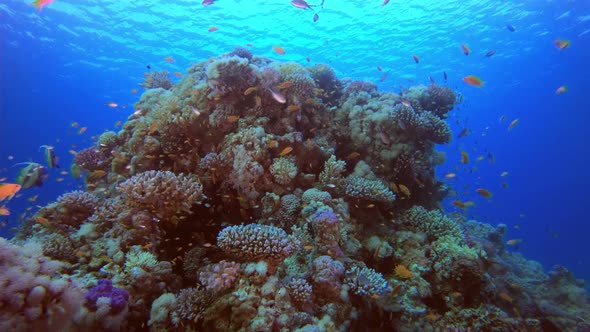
285, 85
112, 104
212, 29
416, 58
258, 101
72, 152
133, 91
291, 108
404, 190
39, 4
153, 127
505, 297
308, 247
74, 124
513, 123
561, 90
43, 221
285, 151
273, 144
250, 90
82, 130
8, 190
80, 253
513, 242
352, 155
473, 80
396, 289
279, 50
465, 49
464, 157
117, 124
233, 118
484, 192
459, 204
562, 43
4, 211
169, 59
177, 74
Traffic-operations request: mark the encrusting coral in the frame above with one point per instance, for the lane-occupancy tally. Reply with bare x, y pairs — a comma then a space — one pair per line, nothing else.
255, 195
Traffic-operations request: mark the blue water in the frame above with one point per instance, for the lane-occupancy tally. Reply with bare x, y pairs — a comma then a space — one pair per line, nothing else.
66, 63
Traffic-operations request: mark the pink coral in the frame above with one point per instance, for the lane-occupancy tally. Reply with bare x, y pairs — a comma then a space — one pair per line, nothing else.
220, 276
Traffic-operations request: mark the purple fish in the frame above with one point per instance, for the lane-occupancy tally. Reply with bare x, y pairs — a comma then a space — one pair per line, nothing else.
207, 2
316, 17
299, 4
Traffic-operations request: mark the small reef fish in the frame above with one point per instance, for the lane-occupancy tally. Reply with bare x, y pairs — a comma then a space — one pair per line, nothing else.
416, 58
74, 124
473, 80
82, 130
285, 151
484, 192
463, 133
285, 85
502, 118
459, 204
76, 171
383, 77
279, 97
279, 50
300, 4
50, 156
40, 4
491, 158
513, 242
450, 175
43, 221
207, 2
112, 104
212, 29
465, 49
8, 190
490, 53
169, 59
250, 90
464, 157
504, 174
32, 175
316, 17
291, 108
385, 2
177, 74
379, 68
133, 91
513, 123
510, 28
233, 118
561, 90
445, 75
4, 211
562, 44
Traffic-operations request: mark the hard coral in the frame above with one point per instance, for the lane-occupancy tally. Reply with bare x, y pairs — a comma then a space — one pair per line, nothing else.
91, 159
157, 79
422, 126
229, 77
71, 208
255, 241
162, 192
220, 276
370, 190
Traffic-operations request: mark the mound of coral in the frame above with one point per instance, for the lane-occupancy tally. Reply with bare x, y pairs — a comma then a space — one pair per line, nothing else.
256, 195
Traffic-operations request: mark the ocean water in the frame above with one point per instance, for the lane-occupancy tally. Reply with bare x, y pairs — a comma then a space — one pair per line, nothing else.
61, 66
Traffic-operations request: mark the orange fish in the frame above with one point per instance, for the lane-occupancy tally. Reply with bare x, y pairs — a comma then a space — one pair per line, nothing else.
562, 43
112, 104
473, 80
464, 157
459, 204
465, 49
133, 91
43, 221
212, 29
285, 85
273, 144
177, 74
285, 151
117, 124
291, 108
74, 124
4, 211
416, 58
279, 50
561, 90
82, 130
233, 118
169, 59
484, 192
250, 90
513, 242
153, 127
8, 190
513, 123
39, 4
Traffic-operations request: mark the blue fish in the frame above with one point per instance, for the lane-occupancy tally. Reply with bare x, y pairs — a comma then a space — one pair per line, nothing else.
510, 28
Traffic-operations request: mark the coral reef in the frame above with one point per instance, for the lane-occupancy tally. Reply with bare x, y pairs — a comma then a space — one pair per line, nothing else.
255, 195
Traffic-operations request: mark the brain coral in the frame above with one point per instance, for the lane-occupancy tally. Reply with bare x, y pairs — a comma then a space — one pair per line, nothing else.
162, 192
255, 241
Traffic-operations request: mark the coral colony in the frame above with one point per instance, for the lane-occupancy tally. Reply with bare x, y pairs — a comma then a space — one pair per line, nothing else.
256, 195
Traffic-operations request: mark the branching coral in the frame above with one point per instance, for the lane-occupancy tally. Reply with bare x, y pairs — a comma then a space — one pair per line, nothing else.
157, 79
91, 159
370, 190
220, 276
433, 223
255, 241
423, 126
191, 304
162, 192
71, 208
229, 77
283, 171
365, 281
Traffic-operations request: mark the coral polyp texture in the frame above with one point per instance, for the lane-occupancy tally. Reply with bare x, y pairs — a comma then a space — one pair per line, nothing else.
257, 195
